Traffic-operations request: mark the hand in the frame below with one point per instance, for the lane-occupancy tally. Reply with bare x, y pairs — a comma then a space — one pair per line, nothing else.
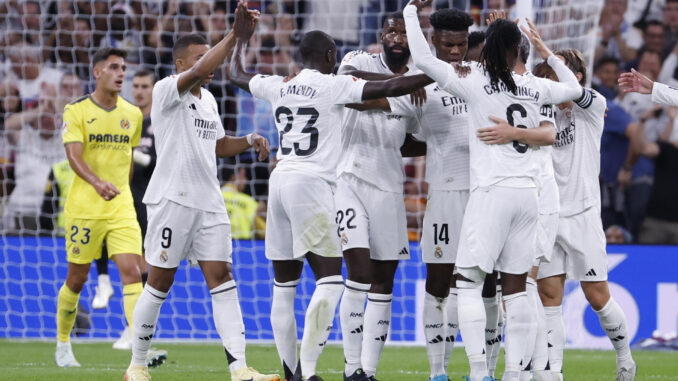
535, 39
500, 133
635, 82
624, 178
462, 70
260, 144
420, 4
245, 22
106, 190
418, 97
494, 16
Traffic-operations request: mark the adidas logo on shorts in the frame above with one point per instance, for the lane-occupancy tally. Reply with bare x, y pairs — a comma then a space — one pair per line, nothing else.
404, 251
591, 272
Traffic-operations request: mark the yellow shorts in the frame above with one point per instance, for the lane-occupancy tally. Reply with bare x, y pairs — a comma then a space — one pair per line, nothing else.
84, 238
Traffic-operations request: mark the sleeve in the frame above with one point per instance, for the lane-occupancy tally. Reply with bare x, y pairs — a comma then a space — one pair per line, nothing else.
664, 94
567, 89
263, 86
166, 93
347, 89
403, 106
546, 114
355, 58
72, 127
594, 102
438, 70
668, 68
136, 138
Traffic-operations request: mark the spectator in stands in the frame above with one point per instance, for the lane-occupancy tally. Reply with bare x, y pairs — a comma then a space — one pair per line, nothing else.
614, 154
37, 141
617, 39
70, 43
661, 221
26, 69
671, 23
339, 19
640, 11
653, 41
217, 24
30, 20
10, 103
669, 72
616, 234
605, 77
476, 42
243, 210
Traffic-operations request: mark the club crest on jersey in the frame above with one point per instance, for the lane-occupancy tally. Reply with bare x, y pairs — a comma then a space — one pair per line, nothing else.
163, 256
344, 239
124, 124
439, 252
76, 250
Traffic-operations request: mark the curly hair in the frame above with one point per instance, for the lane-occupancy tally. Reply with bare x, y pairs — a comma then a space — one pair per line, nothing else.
451, 19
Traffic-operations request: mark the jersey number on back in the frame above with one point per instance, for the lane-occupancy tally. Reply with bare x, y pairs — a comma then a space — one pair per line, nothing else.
312, 115
520, 147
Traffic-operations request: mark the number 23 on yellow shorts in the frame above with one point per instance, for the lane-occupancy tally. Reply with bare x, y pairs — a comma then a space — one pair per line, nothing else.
84, 238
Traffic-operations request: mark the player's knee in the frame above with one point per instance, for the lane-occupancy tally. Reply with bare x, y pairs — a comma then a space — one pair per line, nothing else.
597, 294
437, 288
513, 284
384, 286
75, 282
549, 294
129, 272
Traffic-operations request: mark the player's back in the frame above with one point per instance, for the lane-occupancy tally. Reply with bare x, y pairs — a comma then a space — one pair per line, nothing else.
371, 140
307, 110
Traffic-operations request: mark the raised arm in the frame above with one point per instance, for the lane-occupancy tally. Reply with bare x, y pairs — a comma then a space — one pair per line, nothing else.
440, 71
243, 28
395, 87
207, 64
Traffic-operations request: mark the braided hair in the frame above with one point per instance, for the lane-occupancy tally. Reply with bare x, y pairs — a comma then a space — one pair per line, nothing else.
501, 37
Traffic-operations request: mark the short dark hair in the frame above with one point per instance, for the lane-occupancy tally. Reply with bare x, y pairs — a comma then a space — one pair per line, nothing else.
312, 45
605, 60
103, 54
575, 60
392, 16
451, 19
543, 70
652, 22
524, 52
184, 42
475, 38
144, 73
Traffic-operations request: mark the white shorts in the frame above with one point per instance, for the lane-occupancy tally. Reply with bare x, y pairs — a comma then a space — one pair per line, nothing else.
369, 217
579, 250
177, 232
442, 225
547, 228
499, 230
300, 217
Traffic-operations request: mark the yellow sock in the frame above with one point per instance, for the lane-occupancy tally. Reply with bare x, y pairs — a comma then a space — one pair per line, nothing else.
67, 310
130, 295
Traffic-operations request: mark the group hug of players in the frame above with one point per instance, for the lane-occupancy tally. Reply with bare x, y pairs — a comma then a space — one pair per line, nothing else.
512, 163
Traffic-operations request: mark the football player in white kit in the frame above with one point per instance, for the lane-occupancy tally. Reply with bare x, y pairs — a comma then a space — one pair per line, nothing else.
370, 206
301, 210
639, 83
444, 121
187, 217
500, 220
579, 251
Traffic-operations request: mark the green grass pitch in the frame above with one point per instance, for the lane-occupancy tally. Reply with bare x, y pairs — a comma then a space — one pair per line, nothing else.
35, 361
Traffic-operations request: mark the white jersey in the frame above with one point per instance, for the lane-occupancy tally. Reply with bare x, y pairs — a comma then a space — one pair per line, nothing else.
576, 153
186, 130
444, 121
664, 94
371, 140
308, 111
511, 164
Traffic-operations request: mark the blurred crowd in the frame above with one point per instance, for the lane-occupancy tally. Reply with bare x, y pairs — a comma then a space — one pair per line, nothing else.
46, 45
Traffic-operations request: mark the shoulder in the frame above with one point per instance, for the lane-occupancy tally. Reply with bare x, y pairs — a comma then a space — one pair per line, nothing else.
355, 57
166, 81
78, 100
129, 108
592, 99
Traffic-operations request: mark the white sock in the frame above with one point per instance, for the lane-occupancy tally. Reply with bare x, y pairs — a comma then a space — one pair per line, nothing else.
492, 334
531, 338
518, 326
555, 327
377, 322
103, 278
540, 357
144, 319
284, 325
228, 320
613, 321
435, 319
452, 326
472, 326
351, 314
318, 322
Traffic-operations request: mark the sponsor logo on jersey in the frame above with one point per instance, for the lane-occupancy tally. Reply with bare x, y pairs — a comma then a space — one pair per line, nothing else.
439, 252
108, 138
163, 256
91, 120
124, 124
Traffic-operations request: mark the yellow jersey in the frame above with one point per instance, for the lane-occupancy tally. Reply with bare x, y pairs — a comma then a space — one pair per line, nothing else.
108, 137
242, 211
